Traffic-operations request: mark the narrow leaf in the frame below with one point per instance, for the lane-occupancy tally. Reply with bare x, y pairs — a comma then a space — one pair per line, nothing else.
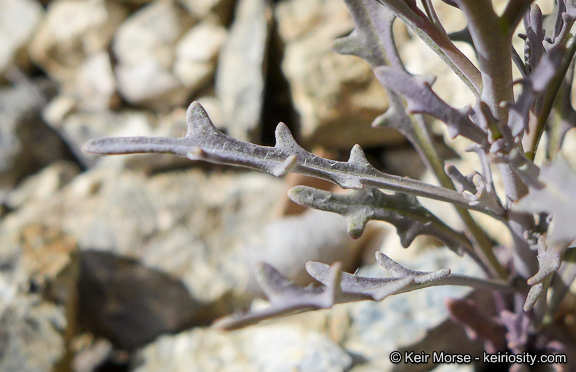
203, 141
285, 297
401, 210
557, 197
422, 100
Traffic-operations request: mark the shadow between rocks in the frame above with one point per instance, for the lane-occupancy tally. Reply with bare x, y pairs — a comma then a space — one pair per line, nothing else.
130, 304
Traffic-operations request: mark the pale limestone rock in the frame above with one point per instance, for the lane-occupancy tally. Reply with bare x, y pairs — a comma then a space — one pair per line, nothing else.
41, 186
38, 265
30, 340
27, 143
175, 232
336, 96
240, 76
58, 108
73, 30
218, 11
18, 21
150, 84
288, 243
196, 54
296, 344
144, 46
95, 84
190, 224
151, 33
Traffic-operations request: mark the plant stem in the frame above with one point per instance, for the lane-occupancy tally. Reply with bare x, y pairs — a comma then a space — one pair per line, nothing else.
513, 14
533, 139
483, 245
438, 41
493, 40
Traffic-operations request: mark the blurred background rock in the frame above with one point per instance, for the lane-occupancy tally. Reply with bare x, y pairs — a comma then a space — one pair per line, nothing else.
122, 263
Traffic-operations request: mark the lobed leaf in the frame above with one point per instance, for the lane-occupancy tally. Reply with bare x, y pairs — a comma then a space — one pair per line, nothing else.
534, 37
376, 287
288, 298
518, 330
564, 20
532, 88
203, 141
285, 297
401, 210
473, 186
556, 196
423, 100
372, 38
359, 287
437, 40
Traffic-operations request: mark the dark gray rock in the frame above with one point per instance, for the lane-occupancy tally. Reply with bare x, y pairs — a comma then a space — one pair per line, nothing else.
130, 304
26, 142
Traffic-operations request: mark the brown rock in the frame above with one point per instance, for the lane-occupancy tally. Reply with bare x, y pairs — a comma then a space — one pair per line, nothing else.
336, 96
39, 268
217, 11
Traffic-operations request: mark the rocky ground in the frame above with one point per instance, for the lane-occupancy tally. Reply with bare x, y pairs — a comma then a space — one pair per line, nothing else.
122, 263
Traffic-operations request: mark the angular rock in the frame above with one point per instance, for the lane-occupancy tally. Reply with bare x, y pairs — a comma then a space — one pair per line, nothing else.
144, 46
38, 264
28, 144
41, 186
190, 225
151, 33
336, 96
240, 76
217, 11
95, 85
196, 55
281, 346
130, 304
18, 21
72, 31
151, 85
31, 337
